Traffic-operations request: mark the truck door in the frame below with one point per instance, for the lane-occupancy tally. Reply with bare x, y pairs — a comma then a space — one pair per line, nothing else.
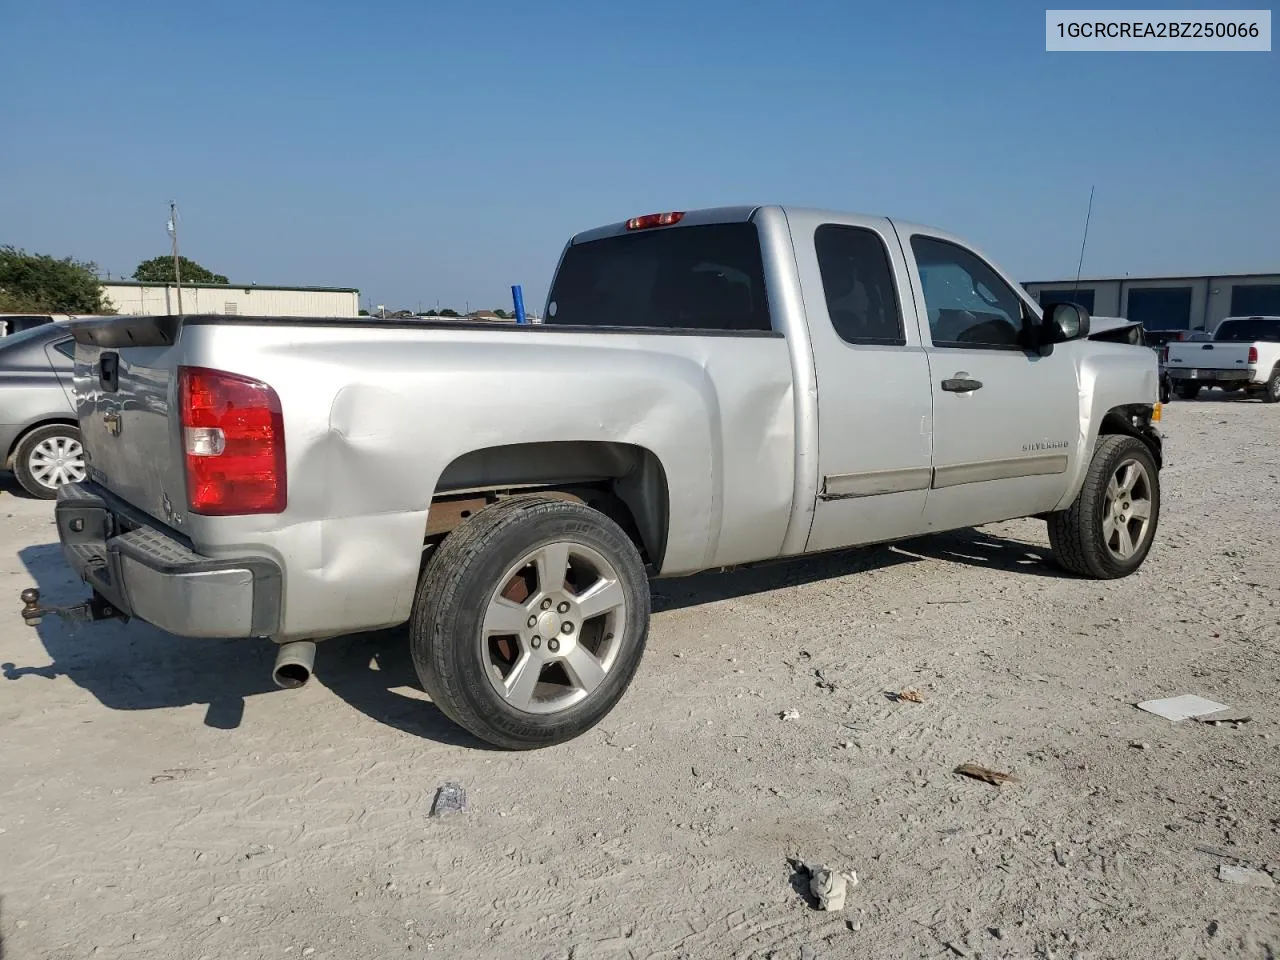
1006, 420
872, 377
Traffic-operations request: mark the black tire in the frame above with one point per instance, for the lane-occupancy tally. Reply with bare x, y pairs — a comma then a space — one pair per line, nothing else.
30, 459
1187, 391
1165, 392
1078, 534
1271, 392
458, 662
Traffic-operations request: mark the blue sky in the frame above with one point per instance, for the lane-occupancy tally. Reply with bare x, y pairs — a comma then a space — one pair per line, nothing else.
424, 151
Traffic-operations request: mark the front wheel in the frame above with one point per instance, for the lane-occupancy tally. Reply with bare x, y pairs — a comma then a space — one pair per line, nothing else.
48, 457
1107, 532
1187, 391
530, 621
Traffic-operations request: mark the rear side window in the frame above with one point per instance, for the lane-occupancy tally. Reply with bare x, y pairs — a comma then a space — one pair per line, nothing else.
66, 347
1249, 329
858, 284
707, 277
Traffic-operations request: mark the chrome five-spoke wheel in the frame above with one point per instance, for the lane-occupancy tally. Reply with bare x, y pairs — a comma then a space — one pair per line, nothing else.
1127, 509
530, 620
551, 629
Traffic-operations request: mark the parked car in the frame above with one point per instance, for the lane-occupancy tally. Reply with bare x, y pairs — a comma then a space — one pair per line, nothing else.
1244, 354
39, 436
707, 389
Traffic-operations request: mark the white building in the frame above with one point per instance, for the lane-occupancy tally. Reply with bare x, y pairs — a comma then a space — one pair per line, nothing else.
1168, 303
135, 297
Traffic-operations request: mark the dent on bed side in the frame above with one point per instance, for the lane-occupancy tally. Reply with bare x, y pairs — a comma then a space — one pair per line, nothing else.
634, 474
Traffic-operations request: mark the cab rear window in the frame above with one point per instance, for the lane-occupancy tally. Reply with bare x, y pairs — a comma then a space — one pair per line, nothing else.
708, 277
1249, 330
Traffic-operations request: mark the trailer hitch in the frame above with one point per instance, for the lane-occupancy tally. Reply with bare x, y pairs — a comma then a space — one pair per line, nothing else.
95, 608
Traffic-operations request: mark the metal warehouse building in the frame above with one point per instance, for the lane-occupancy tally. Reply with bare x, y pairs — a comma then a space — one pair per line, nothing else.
1169, 303
135, 297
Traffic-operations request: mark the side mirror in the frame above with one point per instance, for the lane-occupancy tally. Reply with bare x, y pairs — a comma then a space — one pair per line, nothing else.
1063, 322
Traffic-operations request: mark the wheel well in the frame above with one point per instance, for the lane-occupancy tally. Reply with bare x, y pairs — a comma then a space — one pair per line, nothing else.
1134, 420
54, 421
624, 481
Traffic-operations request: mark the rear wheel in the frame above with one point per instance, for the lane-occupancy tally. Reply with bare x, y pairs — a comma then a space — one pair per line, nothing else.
530, 621
1271, 393
1187, 391
1107, 532
48, 457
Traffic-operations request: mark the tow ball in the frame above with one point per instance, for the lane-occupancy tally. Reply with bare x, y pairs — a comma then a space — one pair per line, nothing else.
95, 608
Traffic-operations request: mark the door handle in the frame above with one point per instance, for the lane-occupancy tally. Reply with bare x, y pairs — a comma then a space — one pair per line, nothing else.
961, 384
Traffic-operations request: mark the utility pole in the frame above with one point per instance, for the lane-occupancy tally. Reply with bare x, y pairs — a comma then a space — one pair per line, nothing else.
177, 266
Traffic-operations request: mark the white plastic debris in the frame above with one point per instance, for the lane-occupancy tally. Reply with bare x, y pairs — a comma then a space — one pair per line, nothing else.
1182, 708
830, 888
450, 798
790, 715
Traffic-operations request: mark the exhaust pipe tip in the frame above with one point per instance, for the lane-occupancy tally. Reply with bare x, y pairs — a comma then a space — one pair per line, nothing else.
294, 664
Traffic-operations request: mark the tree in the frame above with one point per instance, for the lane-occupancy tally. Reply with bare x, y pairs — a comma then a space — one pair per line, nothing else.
39, 283
448, 312
362, 313
160, 270
501, 314
431, 313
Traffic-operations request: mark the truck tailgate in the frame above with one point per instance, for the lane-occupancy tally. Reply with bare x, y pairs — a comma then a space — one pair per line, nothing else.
1208, 356
125, 402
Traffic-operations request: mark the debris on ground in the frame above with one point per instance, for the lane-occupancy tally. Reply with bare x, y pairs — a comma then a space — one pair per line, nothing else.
830, 888
789, 715
1182, 708
911, 696
1244, 876
994, 777
1139, 745
1219, 721
450, 798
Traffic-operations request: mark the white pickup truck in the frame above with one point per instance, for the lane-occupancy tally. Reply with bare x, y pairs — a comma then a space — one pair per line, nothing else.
708, 389
1244, 354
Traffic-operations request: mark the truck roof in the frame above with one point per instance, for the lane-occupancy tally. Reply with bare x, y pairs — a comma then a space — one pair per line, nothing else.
743, 212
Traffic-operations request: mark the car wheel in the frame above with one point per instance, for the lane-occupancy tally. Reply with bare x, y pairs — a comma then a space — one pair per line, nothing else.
48, 457
1187, 391
1107, 532
1271, 393
530, 621
1165, 393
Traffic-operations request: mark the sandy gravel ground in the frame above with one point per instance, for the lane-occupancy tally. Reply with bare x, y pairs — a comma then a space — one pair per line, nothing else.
158, 798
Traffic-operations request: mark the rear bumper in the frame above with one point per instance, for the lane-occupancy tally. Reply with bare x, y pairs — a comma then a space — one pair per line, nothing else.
1212, 376
149, 573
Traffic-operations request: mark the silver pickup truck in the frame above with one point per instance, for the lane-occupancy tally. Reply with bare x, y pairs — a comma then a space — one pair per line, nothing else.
708, 389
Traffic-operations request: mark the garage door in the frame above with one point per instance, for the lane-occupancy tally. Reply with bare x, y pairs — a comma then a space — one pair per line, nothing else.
1162, 308
1261, 300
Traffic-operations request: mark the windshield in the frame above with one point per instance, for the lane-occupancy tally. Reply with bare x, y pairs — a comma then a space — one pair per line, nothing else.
1249, 330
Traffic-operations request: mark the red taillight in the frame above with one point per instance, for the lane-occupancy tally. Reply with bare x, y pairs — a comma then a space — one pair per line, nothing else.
654, 220
1253, 354
233, 434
